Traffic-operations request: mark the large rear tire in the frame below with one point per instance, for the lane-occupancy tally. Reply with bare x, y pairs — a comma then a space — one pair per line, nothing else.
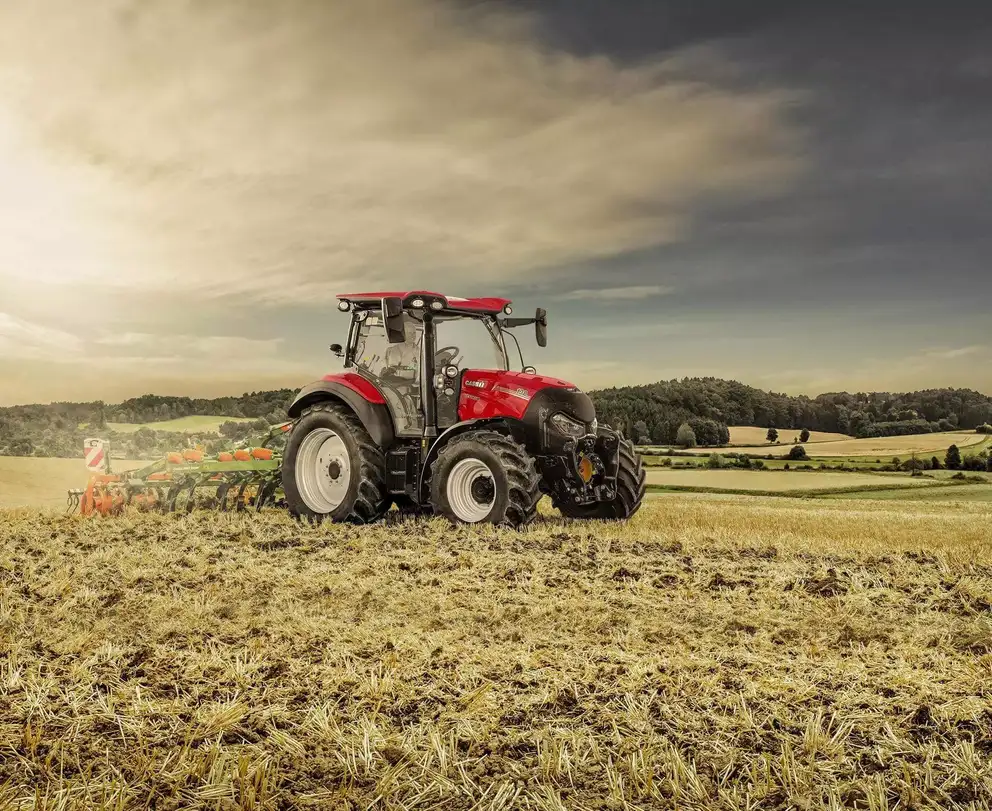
631, 485
485, 477
332, 469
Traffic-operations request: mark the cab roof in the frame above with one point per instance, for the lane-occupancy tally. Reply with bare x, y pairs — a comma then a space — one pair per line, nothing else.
469, 305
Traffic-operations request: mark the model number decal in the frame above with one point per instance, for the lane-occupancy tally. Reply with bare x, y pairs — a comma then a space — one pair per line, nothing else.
523, 394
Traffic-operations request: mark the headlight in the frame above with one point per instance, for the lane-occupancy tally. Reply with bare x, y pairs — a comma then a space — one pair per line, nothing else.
451, 371
344, 306
566, 425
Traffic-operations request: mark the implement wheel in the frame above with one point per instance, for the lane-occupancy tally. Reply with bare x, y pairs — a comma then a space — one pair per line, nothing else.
485, 477
332, 469
631, 483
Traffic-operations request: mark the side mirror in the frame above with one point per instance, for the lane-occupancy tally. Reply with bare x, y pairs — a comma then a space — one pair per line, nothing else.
392, 317
337, 349
541, 325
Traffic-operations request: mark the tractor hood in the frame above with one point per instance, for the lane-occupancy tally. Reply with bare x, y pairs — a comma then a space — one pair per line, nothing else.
488, 393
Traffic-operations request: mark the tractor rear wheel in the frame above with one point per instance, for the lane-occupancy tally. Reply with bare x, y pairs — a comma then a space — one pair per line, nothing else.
332, 469
485, 477
631, 482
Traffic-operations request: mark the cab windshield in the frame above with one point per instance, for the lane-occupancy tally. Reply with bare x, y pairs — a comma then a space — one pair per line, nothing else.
469, 343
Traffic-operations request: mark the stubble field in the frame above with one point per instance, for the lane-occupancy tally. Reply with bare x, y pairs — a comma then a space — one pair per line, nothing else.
755, 435
884, 447
716, 652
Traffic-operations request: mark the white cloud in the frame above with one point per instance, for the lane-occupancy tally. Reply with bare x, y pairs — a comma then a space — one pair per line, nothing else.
957, 352
279, 152
618, 293
22, 339
219, 347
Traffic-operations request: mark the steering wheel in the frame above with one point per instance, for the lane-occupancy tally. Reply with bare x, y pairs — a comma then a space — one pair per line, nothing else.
445, 355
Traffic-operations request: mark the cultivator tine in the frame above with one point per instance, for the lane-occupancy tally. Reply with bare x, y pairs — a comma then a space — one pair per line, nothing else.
241, 504
72, 501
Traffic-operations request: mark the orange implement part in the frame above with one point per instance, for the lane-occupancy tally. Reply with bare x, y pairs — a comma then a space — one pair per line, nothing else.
224, 456
193, 456
242, 455
262, 454
146, 501
101, 496
174, 458
159, 477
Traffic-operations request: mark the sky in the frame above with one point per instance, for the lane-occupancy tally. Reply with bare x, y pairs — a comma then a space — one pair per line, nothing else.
792, 194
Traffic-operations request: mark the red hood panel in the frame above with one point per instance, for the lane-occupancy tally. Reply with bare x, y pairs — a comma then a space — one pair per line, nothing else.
487, 393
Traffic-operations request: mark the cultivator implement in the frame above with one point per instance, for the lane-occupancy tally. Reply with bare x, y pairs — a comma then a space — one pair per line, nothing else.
234, 481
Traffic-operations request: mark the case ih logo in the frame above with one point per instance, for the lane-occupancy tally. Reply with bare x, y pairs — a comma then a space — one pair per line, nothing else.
479, 384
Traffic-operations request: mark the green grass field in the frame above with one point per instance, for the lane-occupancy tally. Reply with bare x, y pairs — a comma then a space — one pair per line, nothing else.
182, 424
770, 481
965, 492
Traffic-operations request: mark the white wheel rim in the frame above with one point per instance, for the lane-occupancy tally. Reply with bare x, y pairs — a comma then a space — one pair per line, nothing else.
467, 477
323, 470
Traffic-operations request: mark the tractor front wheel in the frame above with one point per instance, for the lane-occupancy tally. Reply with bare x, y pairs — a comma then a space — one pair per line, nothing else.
631, 484
485, 477
332, 469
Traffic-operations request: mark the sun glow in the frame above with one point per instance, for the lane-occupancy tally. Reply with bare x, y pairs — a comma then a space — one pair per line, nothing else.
48, 235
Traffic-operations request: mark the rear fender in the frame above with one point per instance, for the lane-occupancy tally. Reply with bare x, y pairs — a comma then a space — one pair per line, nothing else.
374, 415
423, 486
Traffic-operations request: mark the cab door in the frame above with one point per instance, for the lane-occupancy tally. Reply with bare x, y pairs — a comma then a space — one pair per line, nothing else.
394, 368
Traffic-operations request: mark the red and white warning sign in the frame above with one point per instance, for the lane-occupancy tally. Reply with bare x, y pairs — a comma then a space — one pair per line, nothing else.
95, 451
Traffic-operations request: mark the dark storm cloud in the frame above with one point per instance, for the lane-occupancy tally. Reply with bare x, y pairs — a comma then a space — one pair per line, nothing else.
895, 104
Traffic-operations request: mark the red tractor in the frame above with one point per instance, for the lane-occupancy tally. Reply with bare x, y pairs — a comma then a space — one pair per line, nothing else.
428, 415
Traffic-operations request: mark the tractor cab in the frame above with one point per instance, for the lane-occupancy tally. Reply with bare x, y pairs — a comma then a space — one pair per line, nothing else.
460, 342
430, 415
462, 335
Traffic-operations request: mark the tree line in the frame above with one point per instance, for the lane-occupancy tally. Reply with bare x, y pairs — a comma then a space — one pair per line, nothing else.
58, 429
652, 413
655, 412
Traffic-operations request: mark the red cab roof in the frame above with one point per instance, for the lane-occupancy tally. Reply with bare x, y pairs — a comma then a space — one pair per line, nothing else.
472, 305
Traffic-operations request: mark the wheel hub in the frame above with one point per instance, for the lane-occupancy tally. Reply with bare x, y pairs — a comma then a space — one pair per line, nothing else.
323, 470
483, 489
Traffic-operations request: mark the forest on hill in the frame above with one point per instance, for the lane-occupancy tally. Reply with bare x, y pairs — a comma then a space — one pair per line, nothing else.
653, 412
662, 407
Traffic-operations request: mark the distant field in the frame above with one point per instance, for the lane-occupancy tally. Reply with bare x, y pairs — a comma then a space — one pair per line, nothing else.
882, 447
772, 480
966, 492
30, 481
753, 435
182, 424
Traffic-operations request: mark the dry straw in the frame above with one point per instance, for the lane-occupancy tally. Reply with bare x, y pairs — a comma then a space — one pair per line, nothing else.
716, 653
